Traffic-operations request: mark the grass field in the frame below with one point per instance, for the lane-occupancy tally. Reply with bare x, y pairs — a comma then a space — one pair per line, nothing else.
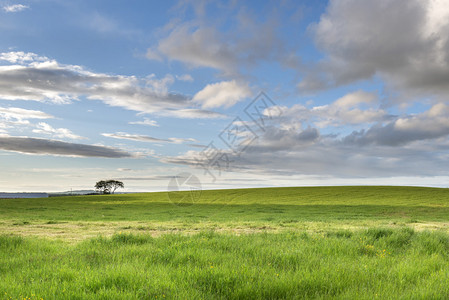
274, 243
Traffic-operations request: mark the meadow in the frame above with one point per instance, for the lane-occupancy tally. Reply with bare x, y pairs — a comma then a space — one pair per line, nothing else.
272, 243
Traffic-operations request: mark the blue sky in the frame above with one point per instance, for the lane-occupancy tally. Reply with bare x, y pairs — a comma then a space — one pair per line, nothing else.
238, 93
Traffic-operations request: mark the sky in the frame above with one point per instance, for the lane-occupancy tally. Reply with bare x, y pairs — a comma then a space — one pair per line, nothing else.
236, 93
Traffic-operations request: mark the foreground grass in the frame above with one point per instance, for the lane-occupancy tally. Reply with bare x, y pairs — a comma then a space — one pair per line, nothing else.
312, 209
368, 264
276, 243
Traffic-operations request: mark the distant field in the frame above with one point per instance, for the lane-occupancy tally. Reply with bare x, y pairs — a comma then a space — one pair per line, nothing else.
273, 243
246, 210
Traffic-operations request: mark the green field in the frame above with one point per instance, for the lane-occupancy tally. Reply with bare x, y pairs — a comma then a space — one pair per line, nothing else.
273, 243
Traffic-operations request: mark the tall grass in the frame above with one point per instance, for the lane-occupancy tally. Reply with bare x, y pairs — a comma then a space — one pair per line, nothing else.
375, 263
329, 242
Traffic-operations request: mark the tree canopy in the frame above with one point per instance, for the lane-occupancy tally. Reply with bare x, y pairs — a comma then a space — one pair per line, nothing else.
108, 186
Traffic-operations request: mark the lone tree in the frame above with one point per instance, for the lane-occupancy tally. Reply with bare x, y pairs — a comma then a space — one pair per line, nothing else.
108, 186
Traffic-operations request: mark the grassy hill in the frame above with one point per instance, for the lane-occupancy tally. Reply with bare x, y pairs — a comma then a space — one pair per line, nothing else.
273, 243
304, 208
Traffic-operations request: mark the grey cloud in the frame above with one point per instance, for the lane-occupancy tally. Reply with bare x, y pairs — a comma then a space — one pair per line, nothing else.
145, 138
40, 79
331, 158
390, 135
414, 144
199, 45
275, 139
197, 146
192, 113
403, 41
429, 125
54, 147
134, 137
59, 83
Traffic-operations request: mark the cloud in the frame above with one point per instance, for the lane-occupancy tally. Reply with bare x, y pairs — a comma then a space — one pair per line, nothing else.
35, 78
185, 77
353, 109
37, 146
145, 138
358, 107
146, 122
21, 113
102, 24
404, 42
199, 6
281, 139
15, 117
153, 55
296, 131
21, 57
192, 113
44, 128
315, 141
160, 86
107, 25
428, 125
222, 94
354, 99
15, 8
200, 45
322, 156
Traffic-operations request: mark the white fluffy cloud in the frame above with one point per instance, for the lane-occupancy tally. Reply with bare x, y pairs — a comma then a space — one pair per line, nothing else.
355, 108
348, 110
222, 94
15, 8
21, 57
15, 117
21, 113
64, 133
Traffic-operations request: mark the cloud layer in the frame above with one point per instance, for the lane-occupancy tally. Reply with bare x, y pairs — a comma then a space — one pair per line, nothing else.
32, 77
318, 141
